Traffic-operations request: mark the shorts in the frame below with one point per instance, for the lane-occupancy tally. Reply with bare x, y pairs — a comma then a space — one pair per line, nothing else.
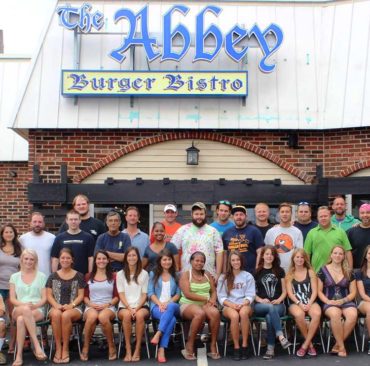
111, 308
4, 293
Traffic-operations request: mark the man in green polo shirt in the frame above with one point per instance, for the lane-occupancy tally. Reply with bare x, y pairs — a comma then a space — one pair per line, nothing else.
321, 239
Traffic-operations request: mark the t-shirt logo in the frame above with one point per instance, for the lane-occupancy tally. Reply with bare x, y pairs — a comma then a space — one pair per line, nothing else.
240, 243
283, 243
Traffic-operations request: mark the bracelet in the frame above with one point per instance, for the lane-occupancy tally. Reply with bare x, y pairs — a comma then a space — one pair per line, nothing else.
73, 304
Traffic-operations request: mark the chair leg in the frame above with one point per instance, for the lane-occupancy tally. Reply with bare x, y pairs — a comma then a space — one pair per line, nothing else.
355, 336
252, 338
146, 332
259, 338
295, 338
286, 336
322, 340
182, 334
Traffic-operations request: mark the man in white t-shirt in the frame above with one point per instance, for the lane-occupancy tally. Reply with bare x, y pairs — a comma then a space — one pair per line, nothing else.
285, 237
40, 241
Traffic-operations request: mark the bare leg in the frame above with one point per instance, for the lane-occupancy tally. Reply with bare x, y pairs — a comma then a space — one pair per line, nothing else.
335, 316
233, 316
196, 314
68, 317
365, 310
91, 316
213, 318
105, 319
56, 325
141, 315
244, 313
125, 316
315, 315
350, 319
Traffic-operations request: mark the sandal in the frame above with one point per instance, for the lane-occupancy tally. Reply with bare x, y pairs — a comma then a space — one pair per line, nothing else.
112, 356
214, 355
40, 356
188, 356
84, 356
342, 353
301, 352
135, 359
312, 351
56, 359
65, 360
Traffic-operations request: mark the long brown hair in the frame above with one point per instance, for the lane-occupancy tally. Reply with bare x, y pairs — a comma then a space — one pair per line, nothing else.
345, 266
158, 270
108, 268
229, 275
126, 268
275, 263
363, 266
16, 244
306, 264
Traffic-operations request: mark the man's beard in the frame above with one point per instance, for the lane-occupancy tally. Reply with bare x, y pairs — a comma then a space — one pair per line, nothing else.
199, 224
37, 230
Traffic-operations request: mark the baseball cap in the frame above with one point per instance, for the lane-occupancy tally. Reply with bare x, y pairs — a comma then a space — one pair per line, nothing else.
239, 208
170, 208
200, 205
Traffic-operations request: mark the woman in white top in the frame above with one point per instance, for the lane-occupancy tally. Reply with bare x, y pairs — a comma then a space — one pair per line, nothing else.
28, 295
132, 286
236, 291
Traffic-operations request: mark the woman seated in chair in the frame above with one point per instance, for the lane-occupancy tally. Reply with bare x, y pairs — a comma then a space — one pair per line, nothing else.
198, 304
337, 291
65, 293
132, 286
164, 293
271, 293
236, 291
363, 286
28, 295
101, 298
301, 284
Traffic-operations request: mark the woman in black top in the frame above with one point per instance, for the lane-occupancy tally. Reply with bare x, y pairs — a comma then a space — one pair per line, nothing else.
270, 296
301, 284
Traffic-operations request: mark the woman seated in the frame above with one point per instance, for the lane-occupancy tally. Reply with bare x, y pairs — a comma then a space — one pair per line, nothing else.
152, 251
101, 298
236, 291
65, 293
132, 286
28, 295
301, 284
198, 304
164, 293
271, 293
363, 286
337, 290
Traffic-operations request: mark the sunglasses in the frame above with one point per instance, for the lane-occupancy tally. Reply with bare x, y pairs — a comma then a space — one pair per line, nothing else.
303, 203
224, 202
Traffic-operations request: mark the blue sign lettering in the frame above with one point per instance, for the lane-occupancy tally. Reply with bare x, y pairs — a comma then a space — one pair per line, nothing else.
83, 19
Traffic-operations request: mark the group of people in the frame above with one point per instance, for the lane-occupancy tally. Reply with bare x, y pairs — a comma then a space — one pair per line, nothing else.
186, 272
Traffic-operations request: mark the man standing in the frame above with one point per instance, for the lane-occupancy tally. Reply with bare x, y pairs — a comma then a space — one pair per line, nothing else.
197, 236
340, 218
223, 212
262, 213
285, 237
321, 239
114, 241
243, 237
359, 236
304, 220
80, 242
88, 224
40, 241
170, 224
139, 239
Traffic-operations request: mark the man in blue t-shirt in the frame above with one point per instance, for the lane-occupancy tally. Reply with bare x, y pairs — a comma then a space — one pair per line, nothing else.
114, 241
245, 238
223, 212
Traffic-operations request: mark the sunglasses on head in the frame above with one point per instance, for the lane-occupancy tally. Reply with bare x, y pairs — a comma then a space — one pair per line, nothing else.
303, 203
224, 202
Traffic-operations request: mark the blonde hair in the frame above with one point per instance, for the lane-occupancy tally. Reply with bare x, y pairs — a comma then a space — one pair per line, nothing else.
29, 252
345, 266
306, 264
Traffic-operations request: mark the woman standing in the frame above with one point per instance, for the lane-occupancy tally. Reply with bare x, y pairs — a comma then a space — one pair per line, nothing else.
65, 293
301, 283
337, 290
363, 285
101, 298
132, 286
10, 252
152, 251
236, 292
164, 293
271, 293
198, 304
28, 295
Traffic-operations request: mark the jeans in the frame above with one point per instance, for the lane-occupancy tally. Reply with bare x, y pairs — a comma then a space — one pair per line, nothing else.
272, 313
167, 321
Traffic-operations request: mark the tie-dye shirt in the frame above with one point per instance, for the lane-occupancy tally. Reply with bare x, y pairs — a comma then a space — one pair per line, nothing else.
206, 239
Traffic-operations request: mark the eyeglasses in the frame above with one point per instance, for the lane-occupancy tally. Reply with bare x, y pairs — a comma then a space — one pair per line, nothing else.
303, 203
224, 202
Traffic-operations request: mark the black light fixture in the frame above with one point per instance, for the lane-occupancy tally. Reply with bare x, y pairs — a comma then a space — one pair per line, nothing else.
192, 155
293, 140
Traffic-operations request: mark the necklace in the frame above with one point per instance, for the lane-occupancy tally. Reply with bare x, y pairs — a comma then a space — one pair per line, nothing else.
198, 278
9, 250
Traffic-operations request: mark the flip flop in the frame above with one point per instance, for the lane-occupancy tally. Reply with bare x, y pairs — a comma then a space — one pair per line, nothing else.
188, 356
214, 355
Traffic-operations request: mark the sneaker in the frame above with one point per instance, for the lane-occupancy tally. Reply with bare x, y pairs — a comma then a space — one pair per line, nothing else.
301, 352
368, 352
244, 353
2, 359
284, 343
269, 355
312, 351
236, 354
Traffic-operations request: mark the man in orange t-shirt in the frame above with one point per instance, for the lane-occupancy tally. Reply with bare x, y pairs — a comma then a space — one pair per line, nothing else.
169, 222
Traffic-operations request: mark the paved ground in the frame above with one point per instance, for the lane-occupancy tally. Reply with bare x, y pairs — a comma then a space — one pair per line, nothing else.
99, 358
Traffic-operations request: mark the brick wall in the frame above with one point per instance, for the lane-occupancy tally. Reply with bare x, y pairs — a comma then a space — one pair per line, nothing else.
14, 206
